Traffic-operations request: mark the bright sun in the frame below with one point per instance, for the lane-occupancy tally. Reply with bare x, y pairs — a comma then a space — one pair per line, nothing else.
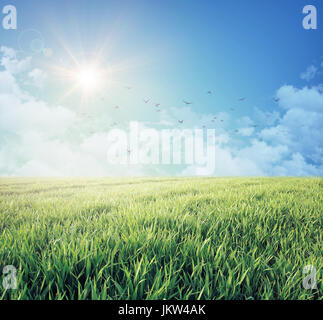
89, 78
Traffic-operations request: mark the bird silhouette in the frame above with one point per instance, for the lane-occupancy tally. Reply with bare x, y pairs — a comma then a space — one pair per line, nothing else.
209, 92
276, 99
187, 102
116, 107
242, 99
146, 101
180, 121
157, 105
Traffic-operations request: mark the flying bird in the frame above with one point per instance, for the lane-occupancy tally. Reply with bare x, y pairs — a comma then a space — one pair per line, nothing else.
180, 121
186, 102
276, 99
157, 105
116, 107
209, 92
146, 101
242, 99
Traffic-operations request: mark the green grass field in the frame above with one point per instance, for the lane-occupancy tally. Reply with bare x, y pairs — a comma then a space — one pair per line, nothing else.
170, 238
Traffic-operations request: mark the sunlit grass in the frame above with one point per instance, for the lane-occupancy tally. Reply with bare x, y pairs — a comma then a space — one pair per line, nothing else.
193, 238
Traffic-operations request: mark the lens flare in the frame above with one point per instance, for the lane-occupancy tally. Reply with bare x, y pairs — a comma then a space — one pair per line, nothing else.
88, 78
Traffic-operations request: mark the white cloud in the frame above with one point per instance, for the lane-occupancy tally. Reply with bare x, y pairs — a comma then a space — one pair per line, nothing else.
300, 127
245, 121
50, 140
290, 145
8, 84
297, 166
10, 62
15, 66
38, 77
306, 98
246, 132
309, 74
38, 139
8, 52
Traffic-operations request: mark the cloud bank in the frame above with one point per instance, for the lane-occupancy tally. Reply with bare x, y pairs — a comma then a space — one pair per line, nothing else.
39, 139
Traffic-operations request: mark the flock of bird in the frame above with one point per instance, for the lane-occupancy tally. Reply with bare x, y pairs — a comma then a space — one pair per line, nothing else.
187, 103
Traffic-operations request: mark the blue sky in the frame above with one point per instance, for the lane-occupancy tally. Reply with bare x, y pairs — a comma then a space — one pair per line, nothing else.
166, 51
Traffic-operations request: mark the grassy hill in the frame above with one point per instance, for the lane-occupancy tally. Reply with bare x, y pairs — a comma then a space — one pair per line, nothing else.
170, 238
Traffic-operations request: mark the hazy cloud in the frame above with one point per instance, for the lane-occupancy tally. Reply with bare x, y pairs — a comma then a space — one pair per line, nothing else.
37, 138
37, 77
309, 74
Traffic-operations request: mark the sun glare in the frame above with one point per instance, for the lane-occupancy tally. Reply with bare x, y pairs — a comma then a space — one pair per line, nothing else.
88, 78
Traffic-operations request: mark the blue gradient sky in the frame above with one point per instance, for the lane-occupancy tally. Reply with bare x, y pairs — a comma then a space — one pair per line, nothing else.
174, 50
